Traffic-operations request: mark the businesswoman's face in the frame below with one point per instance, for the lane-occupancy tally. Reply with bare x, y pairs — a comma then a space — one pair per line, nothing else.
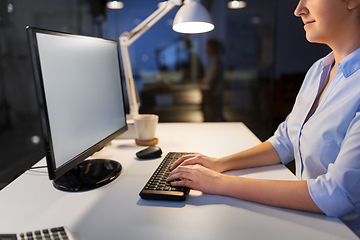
324, 20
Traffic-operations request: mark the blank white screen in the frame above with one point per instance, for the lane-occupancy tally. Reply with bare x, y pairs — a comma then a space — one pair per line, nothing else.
82, 86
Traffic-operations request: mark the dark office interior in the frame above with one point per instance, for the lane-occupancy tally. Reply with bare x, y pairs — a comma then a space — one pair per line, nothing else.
265, 58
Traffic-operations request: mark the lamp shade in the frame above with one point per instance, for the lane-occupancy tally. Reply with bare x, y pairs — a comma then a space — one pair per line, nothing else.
192, 17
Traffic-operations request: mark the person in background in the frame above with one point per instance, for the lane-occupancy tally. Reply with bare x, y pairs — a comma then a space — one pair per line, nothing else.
322, 132
214, 82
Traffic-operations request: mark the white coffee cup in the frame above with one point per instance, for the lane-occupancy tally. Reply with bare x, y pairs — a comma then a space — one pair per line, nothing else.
145, 126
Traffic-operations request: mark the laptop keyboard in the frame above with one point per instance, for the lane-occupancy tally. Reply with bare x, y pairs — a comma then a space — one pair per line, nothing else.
59, 233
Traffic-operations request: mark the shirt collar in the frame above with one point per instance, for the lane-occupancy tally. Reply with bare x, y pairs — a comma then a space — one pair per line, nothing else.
349, 65
329, 59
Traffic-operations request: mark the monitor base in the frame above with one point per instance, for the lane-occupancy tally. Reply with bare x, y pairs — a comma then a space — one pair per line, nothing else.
88, 175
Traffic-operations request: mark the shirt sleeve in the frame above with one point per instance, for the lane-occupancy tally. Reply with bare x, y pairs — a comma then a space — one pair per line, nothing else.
337, 192
282, 143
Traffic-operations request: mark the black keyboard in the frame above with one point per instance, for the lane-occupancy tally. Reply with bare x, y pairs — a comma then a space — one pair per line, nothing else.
59, 233
157, 188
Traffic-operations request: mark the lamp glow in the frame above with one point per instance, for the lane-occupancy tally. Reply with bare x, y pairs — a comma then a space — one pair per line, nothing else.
115, 5
193, 27
191, 18
236, 4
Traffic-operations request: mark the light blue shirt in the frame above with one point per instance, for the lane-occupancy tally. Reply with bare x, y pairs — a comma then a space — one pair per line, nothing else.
326, 148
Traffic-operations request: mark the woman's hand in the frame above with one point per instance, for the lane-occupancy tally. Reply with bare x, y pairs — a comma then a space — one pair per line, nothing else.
205, 161
197, 177
197, 172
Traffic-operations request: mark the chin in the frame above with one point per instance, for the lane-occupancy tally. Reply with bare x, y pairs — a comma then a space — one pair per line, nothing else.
313, 39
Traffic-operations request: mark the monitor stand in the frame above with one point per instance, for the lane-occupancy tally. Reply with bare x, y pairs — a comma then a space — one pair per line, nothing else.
89, 174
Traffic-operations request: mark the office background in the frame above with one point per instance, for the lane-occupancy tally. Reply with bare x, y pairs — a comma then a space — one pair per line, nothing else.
266, 56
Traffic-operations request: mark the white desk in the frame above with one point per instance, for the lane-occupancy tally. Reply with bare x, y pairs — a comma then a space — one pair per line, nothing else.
115, 211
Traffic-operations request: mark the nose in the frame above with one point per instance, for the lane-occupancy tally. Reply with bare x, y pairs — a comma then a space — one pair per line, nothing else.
301, 9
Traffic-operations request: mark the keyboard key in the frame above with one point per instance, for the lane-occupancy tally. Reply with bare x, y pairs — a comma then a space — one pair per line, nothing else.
59, 233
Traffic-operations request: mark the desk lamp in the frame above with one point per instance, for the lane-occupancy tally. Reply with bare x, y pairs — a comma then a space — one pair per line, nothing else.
191, 18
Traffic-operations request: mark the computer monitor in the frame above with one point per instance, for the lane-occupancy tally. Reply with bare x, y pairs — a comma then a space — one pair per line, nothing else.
79, 89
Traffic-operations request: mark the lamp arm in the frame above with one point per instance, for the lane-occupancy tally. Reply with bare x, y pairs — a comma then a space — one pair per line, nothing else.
126, 39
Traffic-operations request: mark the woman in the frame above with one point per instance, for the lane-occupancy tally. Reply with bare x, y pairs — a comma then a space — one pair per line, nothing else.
322, 133
214, 80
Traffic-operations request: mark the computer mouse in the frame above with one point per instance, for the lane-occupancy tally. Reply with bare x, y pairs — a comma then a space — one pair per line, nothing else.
150, 152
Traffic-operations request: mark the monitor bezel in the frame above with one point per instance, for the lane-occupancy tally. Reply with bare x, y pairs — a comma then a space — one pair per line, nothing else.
54, 172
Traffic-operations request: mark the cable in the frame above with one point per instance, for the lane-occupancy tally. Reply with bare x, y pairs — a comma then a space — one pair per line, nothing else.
27, 169
36, 167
